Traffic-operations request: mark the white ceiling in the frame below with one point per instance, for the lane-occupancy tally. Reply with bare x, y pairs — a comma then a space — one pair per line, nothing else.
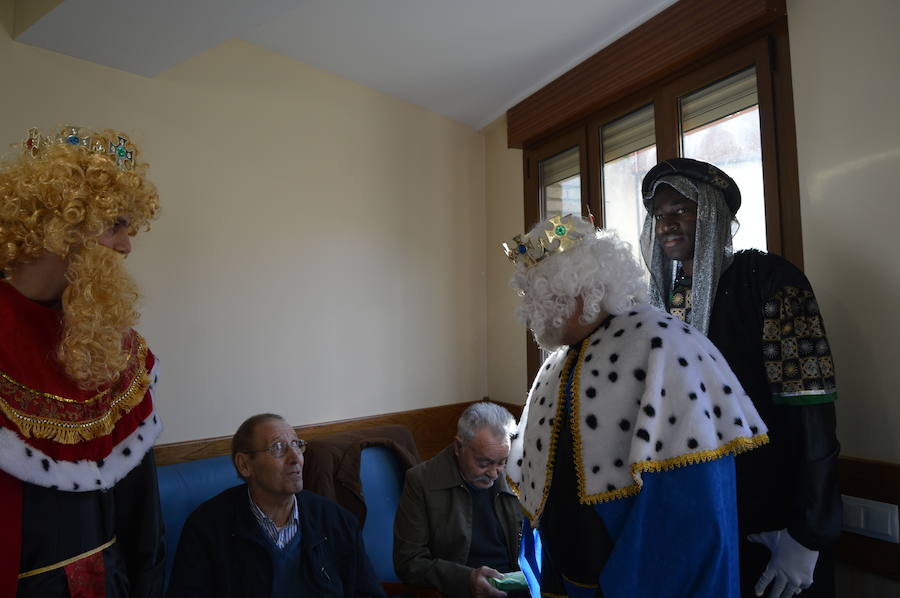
469, 60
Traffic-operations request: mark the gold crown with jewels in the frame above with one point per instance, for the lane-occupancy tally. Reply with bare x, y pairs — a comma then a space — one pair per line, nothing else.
119, 149
559, 236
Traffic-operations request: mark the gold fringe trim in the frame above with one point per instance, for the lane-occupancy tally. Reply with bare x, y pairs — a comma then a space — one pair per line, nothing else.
66, 562
733, 448
571, 361
515, 488
573, 421
66, 432
142, 356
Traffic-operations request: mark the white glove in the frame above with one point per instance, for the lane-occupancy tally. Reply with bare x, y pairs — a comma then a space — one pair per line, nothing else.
790, 569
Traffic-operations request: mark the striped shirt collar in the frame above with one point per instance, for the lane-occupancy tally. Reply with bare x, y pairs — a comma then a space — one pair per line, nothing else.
281, 537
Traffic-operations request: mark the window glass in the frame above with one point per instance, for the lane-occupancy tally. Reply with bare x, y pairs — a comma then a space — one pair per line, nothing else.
720, 125
628, 150
560, 178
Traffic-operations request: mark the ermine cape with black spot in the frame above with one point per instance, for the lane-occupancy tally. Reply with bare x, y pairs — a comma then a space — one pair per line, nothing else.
54, 434
649, 394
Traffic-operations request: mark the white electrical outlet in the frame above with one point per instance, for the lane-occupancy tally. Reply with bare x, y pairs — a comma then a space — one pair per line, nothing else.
871, 518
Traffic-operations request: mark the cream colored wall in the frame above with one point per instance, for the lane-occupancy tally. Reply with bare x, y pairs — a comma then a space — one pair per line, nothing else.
505, 218
320, 251
845, 59
28, 12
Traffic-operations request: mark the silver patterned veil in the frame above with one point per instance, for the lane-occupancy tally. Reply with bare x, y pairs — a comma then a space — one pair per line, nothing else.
712, 248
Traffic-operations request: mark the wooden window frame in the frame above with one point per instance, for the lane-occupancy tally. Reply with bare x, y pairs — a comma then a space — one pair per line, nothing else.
690, 45
531, 169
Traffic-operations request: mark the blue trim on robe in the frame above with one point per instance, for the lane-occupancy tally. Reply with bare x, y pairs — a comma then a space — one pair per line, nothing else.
530, 550
676, 538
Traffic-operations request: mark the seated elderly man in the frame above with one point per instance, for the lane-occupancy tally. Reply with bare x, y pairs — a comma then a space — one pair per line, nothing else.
458, 521
269, 537
623, 459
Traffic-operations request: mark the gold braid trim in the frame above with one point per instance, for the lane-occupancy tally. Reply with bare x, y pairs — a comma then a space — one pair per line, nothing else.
573, 421
554, 429
515, 488
735, 447
54, 397
732, 448
67, 562
580, 585
68, 432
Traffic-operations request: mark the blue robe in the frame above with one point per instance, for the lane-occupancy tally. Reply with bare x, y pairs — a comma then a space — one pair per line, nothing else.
662, 524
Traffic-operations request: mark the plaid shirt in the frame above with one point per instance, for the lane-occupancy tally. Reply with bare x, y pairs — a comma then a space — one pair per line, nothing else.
281, 536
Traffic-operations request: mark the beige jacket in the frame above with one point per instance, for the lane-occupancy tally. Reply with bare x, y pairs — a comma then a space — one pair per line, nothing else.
433, 526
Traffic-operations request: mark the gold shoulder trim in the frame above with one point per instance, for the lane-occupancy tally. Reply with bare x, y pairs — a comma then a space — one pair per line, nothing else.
732, 448
575, 361
100, 395
735, 447
576, 418
66, 431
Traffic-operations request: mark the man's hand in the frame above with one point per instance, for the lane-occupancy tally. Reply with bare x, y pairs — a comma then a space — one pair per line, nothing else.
790, 569
481, 588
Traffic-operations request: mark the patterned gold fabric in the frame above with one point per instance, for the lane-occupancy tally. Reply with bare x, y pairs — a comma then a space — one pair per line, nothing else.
798, 358
67, 421
796, 354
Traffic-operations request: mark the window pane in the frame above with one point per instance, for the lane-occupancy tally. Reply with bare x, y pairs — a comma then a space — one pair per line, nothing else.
628, 134
732, 142
721, 99
629, 151
561, 184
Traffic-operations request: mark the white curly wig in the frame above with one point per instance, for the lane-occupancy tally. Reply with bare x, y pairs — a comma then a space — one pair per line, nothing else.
601, 270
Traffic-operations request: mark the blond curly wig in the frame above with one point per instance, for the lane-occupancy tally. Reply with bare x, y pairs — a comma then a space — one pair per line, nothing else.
60, 201
66, 196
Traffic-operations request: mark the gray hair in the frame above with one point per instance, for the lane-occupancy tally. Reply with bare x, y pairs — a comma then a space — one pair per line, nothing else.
600, 269
485, 414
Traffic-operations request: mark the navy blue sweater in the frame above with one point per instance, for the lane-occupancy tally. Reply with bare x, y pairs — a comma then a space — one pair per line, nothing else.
222, 553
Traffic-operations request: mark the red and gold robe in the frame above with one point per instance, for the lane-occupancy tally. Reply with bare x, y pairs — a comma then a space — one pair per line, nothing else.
78, 492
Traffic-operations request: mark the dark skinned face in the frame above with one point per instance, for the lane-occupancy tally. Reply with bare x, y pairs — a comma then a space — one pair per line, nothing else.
675, 219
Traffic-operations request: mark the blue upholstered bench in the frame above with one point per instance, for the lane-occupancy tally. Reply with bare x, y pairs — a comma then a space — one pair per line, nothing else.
184, 486
382, 482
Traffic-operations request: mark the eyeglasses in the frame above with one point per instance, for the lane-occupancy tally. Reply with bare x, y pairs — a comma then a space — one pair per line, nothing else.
279, 448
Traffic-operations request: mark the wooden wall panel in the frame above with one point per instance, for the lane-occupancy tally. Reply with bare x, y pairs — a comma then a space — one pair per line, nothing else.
875, 480
684, 32
432, 427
